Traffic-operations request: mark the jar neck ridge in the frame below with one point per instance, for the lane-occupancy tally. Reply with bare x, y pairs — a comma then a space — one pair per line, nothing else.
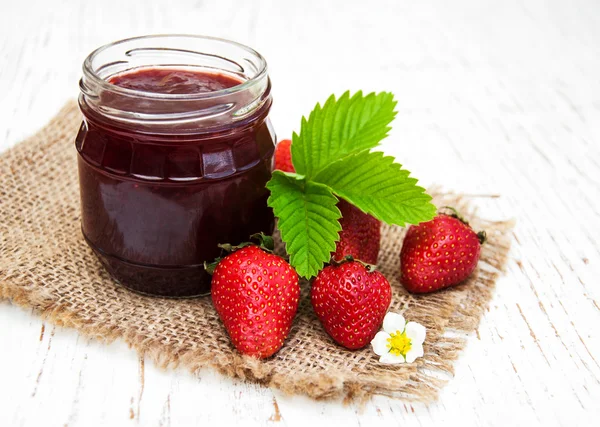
164, 113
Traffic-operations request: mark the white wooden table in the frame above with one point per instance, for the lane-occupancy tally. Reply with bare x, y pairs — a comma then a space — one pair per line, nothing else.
495, 98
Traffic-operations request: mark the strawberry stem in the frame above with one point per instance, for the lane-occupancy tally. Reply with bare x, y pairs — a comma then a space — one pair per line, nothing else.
210, 267
350, 258
455, 214
228, 247
482, 236
266, 243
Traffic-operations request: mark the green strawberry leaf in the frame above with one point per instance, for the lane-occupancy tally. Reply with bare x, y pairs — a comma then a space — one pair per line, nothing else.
376, 185
308, 220
341, 127
332, 157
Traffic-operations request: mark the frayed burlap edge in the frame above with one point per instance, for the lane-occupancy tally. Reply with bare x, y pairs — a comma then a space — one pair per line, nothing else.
450, 316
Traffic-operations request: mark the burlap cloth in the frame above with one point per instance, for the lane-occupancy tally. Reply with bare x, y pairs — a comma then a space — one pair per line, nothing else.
46, 265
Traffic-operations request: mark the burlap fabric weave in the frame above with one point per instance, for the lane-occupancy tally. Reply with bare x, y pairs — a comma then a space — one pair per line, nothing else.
46, 265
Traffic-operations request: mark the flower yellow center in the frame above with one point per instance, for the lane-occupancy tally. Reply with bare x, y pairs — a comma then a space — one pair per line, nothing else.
399, 343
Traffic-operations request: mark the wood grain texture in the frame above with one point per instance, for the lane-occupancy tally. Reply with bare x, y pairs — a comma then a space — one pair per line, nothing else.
495, 98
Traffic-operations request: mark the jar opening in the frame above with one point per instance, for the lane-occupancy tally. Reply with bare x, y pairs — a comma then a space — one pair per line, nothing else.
203, 53
158, 111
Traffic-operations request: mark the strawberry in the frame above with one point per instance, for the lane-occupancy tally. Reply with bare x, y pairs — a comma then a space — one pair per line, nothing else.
256, 296
360, 236
351, 301
440, 253
283, 156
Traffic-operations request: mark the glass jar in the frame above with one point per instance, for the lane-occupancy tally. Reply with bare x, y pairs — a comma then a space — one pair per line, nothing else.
167, 175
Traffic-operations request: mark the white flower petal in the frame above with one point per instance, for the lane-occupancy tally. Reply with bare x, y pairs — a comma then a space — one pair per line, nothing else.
414, 352
391, 359
416, 332
379, 343
393, 322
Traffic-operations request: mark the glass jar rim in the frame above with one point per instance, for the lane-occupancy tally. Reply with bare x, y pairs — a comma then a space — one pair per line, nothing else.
92, 74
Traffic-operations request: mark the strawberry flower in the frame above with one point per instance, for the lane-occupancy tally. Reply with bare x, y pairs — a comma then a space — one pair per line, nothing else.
400, 341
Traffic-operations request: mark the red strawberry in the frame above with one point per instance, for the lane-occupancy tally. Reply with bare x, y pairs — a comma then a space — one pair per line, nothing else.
360, 236
440, 253
256, 296
283, 156
351, 301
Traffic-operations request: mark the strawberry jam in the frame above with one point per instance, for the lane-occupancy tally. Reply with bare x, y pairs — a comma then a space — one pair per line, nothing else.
173, 159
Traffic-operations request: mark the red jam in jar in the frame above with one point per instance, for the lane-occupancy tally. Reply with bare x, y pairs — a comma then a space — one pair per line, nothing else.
174, 153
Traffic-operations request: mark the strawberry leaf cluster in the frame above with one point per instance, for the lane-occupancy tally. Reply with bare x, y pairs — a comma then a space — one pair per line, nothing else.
335, 155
